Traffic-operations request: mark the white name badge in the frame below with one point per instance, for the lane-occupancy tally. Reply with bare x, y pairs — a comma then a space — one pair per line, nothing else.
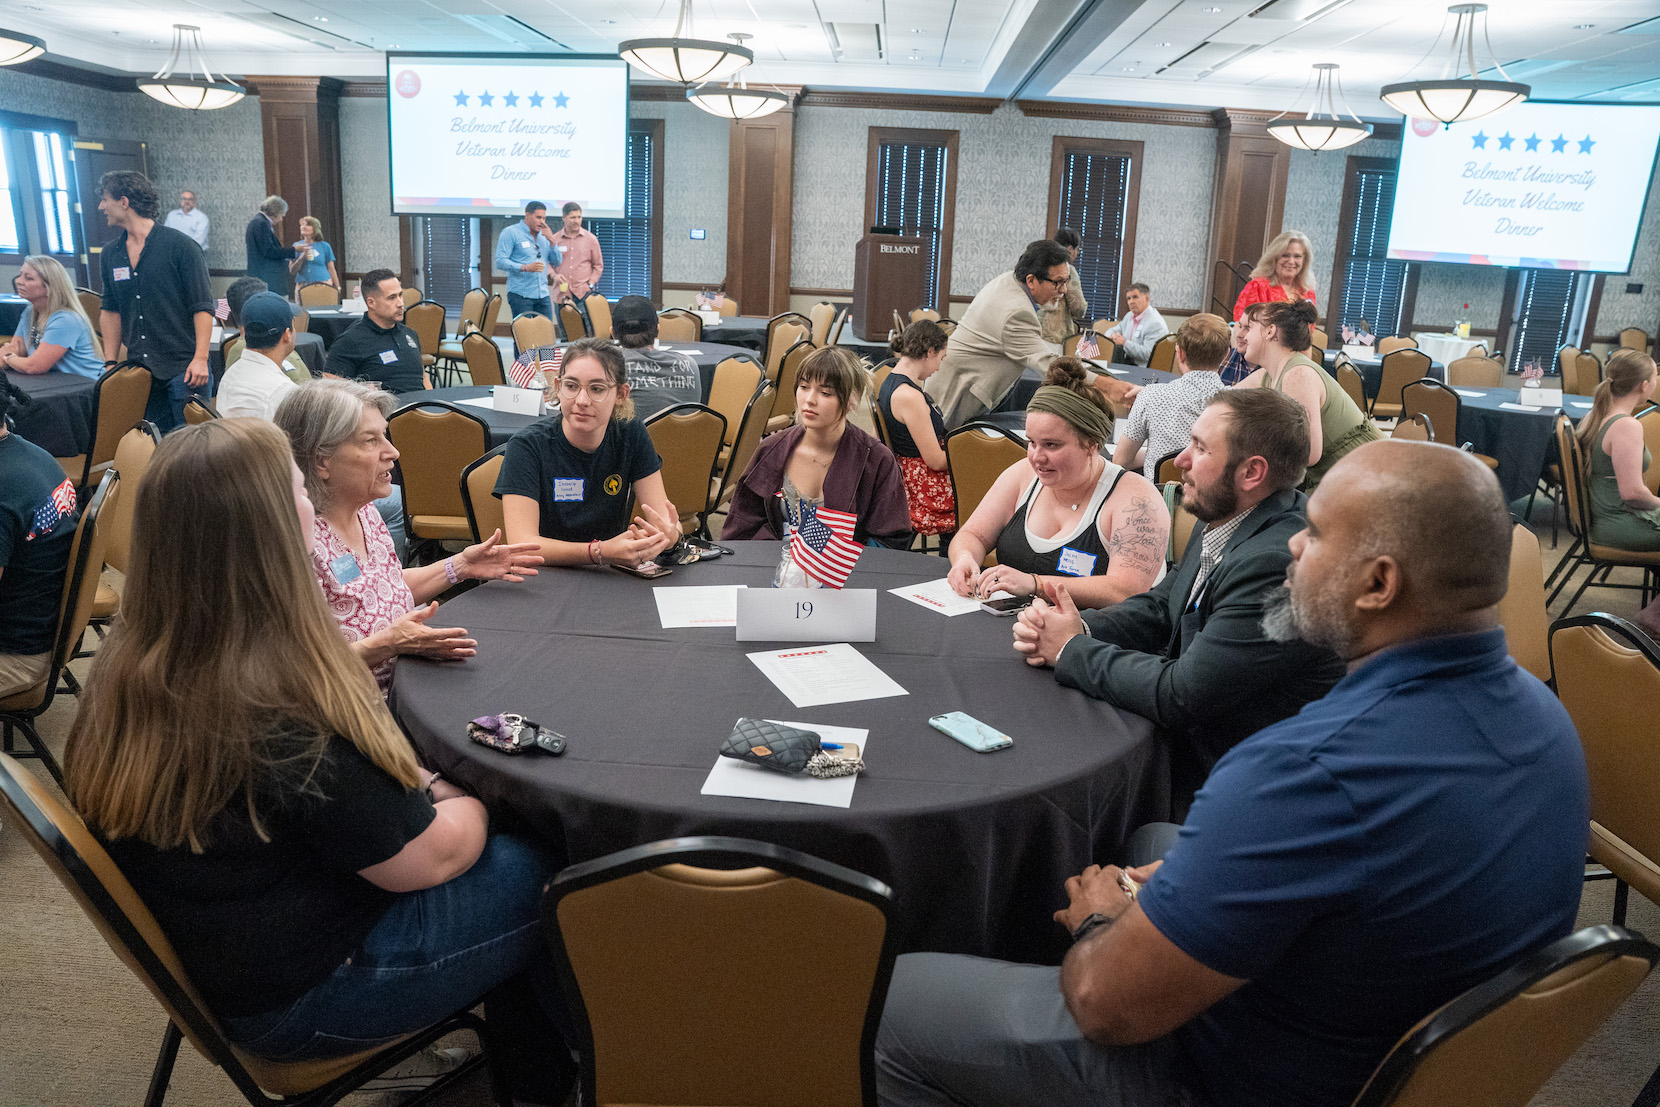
520, 401
1075, 563
387, 357
122, 273
567, 489
806, 615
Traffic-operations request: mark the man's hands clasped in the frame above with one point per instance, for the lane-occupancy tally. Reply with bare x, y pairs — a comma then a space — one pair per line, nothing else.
1044, 628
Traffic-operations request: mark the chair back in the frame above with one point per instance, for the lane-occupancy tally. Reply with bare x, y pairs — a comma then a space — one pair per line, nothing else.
1522, 611
877, 377
132, 459
573, 324
198, 411
1165, 471
670, 1022
483, 359
1069, 344
789, 370
1163, 357
838, 326
688, 438
91, 303
492, 314
1634, 338
1565, 359
1318, 338
532, 331
1434, 399
1604, 667
435, 442
1574, 491
1587, 374
302, 322
728, 308
1182, 525
1497, 1044
231, 349
1396, 342
472, 311
747, 440
318, 294
1400, 368
921, 313
599, 315
1568, 367
478, 486
411, 295
822, 314
1414, 428
1475, 372
1350, 380
118, 404
426, 319
976, 454
1649, 420
780, 341
679, 325
734, 385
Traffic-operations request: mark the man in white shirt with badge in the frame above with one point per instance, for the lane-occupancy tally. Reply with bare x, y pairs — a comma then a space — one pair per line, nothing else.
190, 219
256, 383
1141, 328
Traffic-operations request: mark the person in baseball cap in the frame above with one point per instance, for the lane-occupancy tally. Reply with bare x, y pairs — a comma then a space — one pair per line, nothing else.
256, 382
657, 378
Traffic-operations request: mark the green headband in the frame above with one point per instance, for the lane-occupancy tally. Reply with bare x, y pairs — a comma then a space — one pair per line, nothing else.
1083, 416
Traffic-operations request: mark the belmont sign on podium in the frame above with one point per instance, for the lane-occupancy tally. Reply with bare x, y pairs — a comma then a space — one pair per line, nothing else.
890, 273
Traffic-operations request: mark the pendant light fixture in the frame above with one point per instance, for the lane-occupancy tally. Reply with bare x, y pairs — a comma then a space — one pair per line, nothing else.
1321, 129
1454, 99
17, 48
686, 61
736, 100
187, 90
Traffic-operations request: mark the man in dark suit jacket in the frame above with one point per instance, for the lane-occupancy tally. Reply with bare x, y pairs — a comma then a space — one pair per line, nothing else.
1190, 654
268, 258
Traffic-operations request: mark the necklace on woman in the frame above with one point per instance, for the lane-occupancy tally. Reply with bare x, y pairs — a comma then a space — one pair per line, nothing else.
1091, 482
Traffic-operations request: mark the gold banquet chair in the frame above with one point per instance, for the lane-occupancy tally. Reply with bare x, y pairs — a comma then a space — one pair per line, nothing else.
599, 315
789, 369
1163, 356
1414, 428
823, 315
88, 873
1587, 374
1475, 372
1396, 342
1522, 611
734, 385
318, 294
411, 295
1350, 380
118, 402
426, 319
679, 325
976, 455
745, 442
1432, 398
91, 303
1603, 560
435, 442
770, 356
132, 461
532, 331
483, 359
1634, 338
573, 324
478, 486
1400, 368
664, 1022
470, 321
688, 438
198, 411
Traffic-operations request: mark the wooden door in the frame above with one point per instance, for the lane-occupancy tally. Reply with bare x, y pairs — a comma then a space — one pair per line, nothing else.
94, 158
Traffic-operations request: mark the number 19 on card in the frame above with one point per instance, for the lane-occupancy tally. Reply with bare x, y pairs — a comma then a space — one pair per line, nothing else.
804, 609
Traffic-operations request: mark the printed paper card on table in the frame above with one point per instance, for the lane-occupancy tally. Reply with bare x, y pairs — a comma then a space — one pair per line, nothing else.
731, 777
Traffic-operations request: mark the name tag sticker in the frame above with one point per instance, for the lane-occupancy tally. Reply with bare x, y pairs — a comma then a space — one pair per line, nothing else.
387, 357
1075, 563
122, 272
567, 489
345, 568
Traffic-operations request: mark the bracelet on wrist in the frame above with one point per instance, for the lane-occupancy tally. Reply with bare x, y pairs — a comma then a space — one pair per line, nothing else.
593, 552
449, 571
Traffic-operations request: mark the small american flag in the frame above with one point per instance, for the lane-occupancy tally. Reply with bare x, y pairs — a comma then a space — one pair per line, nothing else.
58, 506
711, 301
222, 309
528, 369
1088, 346
1533, 371
822, 544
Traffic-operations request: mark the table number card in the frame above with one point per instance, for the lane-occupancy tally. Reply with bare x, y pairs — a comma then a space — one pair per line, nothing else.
520, 401
807, 615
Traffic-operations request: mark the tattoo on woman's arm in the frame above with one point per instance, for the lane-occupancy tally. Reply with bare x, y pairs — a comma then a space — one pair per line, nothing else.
1136, 537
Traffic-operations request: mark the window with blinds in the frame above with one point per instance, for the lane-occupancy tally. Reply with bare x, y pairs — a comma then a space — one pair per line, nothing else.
627, 245
449, 258
11, 236
1546, 305
52, 169
1095, 200
909, 184
1372, 285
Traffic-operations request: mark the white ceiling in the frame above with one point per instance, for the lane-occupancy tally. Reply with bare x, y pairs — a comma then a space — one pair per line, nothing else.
1209, 53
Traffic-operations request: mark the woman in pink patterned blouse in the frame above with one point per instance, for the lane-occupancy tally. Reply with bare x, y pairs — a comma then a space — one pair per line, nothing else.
338, 431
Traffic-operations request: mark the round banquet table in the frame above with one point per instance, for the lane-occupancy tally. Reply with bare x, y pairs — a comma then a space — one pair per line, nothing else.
739, 330
503, 424
1520, 439
1371, 371
58, 417
327, 323
977, 847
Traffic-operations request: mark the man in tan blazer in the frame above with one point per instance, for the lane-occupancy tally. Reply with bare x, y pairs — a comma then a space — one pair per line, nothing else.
1000, 336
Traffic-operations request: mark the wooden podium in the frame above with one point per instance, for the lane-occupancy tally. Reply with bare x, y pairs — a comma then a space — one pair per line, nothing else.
890, 273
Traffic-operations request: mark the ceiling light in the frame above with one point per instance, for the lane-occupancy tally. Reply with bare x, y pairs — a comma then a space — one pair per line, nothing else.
737, 101
203, 93
916, 30
687, 61
1161, 44
1454, 100
319, 19
1321, 129
1212, 11
16, 48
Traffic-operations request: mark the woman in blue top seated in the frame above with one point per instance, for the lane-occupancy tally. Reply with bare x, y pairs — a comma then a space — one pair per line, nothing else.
314, 260
54, 332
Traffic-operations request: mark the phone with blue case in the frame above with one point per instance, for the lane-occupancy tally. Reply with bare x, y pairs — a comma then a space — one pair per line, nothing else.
971, 732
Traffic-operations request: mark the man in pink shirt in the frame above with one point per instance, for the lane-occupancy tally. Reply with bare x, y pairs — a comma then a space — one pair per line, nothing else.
580, 262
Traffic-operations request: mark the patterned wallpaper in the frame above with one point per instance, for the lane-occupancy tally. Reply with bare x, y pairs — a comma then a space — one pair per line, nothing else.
695, 174
1002, 194
366, 187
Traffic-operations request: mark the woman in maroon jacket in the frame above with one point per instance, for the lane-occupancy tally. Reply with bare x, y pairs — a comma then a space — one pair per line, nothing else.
823, 461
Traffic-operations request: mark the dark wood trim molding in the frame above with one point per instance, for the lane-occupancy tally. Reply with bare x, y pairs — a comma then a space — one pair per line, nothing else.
300, 121
1507, 307
1110, 147
657, 94
1117, 113
1248, 194
1591, 309
369, 90
654, 129
838, 98
881, 136
1409, 297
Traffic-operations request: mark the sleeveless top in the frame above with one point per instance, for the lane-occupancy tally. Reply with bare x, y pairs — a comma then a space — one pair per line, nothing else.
1081, 548
1343, 426
899, 435
1613, 522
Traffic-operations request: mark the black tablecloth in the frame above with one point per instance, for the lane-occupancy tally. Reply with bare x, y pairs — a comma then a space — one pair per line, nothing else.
58, 417
1371, 373
739, 330
977, 847
328, 322
11, 313
308, 346
503, 424
1519, 440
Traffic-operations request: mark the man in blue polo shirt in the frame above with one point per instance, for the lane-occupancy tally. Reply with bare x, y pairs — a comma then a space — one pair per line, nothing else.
526, 253
1342, 873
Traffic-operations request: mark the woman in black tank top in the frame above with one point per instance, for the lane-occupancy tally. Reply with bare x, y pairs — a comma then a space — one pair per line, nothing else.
1065, 513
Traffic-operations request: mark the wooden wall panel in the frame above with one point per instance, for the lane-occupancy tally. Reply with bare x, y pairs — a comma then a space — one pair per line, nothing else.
758, 212
1248, 205
300, 120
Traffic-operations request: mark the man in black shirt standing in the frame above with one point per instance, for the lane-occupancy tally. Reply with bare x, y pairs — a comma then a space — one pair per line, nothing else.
379, 348
156, 297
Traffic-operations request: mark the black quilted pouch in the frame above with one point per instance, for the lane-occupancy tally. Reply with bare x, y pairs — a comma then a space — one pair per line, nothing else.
781, 748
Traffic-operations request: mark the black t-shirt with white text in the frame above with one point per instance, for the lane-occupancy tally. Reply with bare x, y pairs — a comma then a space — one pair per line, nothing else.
583, 496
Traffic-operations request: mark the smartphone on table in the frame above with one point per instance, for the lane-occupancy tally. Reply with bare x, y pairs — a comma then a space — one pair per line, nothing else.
971, 732
649, 570
1008, 605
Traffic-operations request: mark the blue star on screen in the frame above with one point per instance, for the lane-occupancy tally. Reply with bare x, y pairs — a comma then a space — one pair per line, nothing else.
1479, 140
511, 100
560, 100
535, 99
486, 99
1505, 140
1532, 142
1558, 144
461, 99
1585, 144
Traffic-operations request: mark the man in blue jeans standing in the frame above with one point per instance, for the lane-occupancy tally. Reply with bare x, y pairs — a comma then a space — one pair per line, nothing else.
526, 253
156, 297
